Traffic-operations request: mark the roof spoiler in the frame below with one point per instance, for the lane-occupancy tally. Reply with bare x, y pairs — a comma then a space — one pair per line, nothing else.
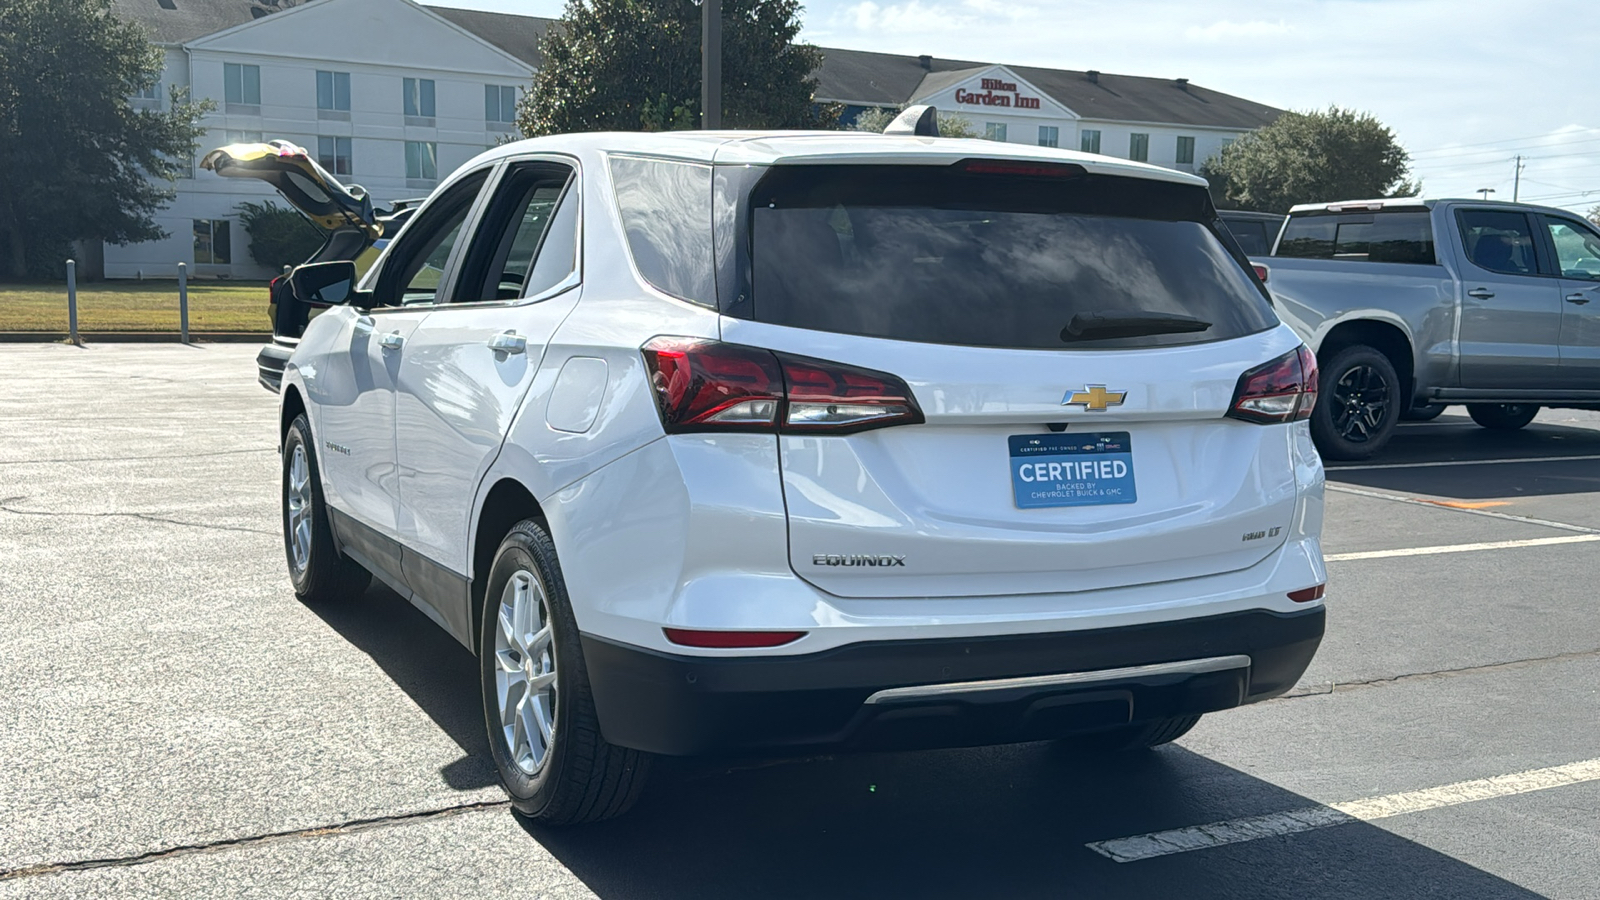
922, 121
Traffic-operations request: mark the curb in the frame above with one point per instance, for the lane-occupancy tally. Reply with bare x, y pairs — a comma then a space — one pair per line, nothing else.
136, 337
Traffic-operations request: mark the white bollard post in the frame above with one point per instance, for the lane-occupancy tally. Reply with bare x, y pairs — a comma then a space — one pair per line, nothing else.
183, 302
72, 302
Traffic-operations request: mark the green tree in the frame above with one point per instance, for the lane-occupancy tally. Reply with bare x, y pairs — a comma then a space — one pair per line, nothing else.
1308, 157
627, 65
279, 236
877, 119
76, 161
1594, 215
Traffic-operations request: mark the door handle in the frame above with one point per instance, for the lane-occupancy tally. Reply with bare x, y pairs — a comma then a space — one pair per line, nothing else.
508, 342
363, 325
1578, 298
391, 341
1480, 293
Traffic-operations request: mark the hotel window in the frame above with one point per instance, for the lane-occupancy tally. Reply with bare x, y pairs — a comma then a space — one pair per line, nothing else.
241, 84
1049, 136
1138, 147
211, 244
333, 92
1089, 141
153, 92
1185, 150
499, 104
422, 161
333, 154
233, 136
419, 97
994, 131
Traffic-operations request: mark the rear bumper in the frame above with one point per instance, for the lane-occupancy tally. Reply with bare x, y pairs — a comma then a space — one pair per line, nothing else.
270, 363
682, 705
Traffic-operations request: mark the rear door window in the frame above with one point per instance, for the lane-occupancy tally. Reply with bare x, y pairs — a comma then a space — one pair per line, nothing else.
1577, 248
1252, 237
1030, 257
526, 241
1400, 236
1498, 240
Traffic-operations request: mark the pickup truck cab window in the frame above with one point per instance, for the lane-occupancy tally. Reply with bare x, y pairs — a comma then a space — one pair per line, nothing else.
1577, 248
1400, 236
1498, 241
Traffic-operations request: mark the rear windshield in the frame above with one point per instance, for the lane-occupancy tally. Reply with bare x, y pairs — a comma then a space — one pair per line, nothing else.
947, 255
1401, 236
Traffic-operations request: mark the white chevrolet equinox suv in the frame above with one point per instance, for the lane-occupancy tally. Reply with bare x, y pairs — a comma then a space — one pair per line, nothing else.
773, 443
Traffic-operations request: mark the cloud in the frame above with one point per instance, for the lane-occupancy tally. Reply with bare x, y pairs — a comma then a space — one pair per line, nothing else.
1233, 31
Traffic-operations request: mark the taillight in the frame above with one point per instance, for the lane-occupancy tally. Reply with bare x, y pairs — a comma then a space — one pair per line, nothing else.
1261, 271
1283, 390
704, 385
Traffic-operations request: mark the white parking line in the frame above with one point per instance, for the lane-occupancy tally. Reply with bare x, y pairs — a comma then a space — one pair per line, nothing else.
1461, 462
1462, 548
1235, 831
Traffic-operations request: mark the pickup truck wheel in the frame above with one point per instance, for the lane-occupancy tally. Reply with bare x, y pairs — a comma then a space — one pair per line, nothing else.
1358, 404
543, 731
1502, 416
1427, 412
319, 572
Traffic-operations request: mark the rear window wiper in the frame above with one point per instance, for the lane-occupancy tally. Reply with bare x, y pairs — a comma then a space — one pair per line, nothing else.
1099, 326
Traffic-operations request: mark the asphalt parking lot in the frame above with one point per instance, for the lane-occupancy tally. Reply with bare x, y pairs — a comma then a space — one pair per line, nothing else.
175, 723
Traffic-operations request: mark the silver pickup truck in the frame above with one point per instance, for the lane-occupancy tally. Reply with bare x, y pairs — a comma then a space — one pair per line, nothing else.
1411, 304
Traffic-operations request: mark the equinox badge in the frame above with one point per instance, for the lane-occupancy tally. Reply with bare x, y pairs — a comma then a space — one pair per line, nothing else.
834, 559
1094, 397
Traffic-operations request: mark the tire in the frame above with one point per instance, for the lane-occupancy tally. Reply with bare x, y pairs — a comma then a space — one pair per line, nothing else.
319, 572
1358, 397
1502, 416
1139, 736
553, 763
1427, 412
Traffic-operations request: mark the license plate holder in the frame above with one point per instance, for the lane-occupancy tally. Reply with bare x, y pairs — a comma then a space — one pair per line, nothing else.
1060, 469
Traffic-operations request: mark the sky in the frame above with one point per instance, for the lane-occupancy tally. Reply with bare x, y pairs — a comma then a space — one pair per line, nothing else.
1466, 85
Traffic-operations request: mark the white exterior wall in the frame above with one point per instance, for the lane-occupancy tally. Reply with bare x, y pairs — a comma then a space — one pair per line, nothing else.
392, 31
1022, 125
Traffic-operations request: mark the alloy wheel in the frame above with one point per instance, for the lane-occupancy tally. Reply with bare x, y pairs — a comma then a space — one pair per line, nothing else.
300, 506
525, 672
1360, 404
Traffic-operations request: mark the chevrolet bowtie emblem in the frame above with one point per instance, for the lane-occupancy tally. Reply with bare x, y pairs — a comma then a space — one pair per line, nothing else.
1094, 397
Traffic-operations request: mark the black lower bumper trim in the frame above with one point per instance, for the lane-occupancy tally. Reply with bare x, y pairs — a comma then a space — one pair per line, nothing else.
684, 705
270, 363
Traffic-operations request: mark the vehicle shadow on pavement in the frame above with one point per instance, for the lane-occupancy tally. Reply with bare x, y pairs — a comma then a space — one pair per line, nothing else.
439, 674
1006, 822
1540, 446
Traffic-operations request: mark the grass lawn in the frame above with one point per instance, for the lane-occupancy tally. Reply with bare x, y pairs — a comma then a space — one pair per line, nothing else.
136, 306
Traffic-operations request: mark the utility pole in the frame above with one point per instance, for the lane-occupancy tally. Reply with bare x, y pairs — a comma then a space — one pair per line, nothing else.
1516, 183
710, 64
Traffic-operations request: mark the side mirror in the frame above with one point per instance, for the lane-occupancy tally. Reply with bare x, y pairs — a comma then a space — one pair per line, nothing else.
325, 284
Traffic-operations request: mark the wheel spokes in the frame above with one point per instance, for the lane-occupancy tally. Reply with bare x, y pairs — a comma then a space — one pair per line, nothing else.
525, 671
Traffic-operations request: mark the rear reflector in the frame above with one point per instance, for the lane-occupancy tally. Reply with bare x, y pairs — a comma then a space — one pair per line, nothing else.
1309, 594
704, 385
731, 639
1283, 390
1261, 271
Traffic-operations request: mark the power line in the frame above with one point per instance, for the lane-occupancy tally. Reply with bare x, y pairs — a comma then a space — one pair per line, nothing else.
1533, 137
1501, 152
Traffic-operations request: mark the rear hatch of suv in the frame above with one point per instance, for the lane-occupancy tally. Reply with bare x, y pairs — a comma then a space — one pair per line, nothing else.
1072, 341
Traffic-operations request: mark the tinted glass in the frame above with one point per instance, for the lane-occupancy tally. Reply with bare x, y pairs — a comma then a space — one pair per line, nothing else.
414, 270
1252, 237
1577, 249
1402, 236
515, 231
942, 256
1499, 241
666, 212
